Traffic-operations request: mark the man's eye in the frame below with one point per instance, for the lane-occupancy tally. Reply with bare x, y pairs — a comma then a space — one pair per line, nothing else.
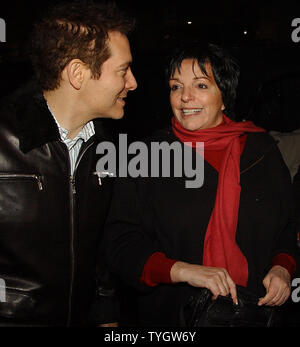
123, 72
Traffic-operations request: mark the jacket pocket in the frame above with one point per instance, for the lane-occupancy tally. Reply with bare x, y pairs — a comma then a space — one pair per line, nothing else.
18, 304
22, 177
101, 175
20, 199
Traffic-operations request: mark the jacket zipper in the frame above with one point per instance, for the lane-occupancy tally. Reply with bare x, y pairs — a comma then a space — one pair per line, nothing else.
37, 178
72, 209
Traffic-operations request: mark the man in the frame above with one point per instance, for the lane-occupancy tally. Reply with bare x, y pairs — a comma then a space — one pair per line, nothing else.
52, 202
289, 146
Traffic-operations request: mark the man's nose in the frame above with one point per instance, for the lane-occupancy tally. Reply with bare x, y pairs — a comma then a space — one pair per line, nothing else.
131, 83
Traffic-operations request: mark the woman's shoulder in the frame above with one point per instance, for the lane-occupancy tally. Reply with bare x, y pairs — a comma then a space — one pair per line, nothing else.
263, 145
261, 142
262, 138
258, 146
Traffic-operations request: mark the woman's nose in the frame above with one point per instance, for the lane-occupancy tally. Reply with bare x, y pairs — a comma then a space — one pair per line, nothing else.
186, 95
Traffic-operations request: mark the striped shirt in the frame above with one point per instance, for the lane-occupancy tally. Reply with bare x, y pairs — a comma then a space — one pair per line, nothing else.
74, 145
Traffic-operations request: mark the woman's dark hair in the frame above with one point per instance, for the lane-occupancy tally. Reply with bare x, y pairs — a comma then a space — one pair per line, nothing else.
74, 31
225, 70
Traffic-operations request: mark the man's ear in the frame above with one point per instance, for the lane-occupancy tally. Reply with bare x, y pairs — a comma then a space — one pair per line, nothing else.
76, 72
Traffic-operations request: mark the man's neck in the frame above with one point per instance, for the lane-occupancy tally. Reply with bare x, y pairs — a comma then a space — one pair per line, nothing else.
65, 112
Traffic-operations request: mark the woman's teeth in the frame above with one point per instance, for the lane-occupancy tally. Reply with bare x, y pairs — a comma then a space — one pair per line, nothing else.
191, 111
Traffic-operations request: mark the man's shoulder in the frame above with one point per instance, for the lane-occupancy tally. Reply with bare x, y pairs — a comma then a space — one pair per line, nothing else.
20, 98
24, 114
8, 109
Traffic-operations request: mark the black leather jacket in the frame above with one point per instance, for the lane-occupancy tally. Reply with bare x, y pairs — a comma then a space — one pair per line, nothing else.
50, 223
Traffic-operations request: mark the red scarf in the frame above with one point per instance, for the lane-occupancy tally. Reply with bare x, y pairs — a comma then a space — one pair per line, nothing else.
220, 248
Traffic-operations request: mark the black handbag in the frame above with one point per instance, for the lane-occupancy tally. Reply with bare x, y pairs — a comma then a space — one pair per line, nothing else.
201, 311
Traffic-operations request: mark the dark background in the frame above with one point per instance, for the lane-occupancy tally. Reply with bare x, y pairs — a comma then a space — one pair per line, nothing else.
257, 33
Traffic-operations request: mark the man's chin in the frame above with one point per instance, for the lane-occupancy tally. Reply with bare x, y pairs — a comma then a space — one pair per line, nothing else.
120, 116
112, 116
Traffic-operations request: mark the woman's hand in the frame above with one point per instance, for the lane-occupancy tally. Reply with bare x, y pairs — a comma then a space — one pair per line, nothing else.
217, 280
278, 286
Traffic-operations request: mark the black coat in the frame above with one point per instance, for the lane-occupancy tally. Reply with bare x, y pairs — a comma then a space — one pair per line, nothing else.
160, 214
50, 224
296, 189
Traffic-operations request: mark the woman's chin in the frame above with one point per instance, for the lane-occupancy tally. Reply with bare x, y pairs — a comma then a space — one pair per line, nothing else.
192, 126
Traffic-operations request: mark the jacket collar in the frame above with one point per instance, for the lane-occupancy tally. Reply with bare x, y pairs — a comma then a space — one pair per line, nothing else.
36, 126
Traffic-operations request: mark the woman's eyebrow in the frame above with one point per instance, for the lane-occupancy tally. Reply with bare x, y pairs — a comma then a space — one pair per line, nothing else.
199, 78
195, 78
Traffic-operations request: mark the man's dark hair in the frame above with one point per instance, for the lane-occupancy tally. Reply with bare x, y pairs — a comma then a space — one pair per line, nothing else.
74, 31
225, 69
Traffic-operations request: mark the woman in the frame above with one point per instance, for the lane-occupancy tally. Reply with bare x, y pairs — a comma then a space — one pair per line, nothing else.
163, 239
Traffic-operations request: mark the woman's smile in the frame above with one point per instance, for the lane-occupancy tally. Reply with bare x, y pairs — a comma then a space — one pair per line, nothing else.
190, 112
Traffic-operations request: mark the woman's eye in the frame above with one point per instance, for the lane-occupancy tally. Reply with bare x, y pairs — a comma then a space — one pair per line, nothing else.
202, 86
174, 87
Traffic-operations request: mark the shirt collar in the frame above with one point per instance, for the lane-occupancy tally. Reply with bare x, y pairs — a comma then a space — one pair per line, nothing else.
85, 134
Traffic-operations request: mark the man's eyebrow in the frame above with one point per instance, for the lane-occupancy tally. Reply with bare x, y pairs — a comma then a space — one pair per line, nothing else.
127, 64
